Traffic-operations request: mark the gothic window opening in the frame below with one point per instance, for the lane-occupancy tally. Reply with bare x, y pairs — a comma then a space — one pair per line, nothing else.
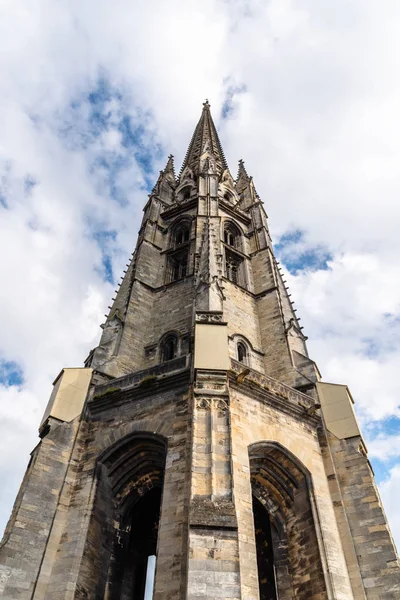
232, 236
169, 348
182, 233
265, 554
227, 197
242, 353
177, 266
185, 194
233, 265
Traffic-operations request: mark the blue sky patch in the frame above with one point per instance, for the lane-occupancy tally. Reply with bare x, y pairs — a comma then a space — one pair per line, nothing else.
105, 240
228, 106
10, 373
104, 110
384, 428
293, 250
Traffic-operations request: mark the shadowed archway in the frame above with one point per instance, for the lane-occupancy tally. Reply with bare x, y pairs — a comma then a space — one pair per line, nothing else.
123, 531
288, 553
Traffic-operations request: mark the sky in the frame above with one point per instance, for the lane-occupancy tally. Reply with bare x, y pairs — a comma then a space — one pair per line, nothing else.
95, 95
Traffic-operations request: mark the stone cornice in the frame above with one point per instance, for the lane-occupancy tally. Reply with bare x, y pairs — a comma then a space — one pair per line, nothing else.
267, 389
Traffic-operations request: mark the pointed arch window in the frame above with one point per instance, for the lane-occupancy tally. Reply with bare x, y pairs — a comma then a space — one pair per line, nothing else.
181, 233
185, 194
286, 534
242, 354
169, 347
178, 253
232, 236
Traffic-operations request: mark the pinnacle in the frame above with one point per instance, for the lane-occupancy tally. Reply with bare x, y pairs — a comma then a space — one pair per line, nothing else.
242, 171
169, 167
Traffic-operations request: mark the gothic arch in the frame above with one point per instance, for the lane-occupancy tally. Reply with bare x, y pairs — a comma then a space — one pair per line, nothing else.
184, 191
282, 486
232, 234
182, 222
169, 346
253, 355
124, 522
178, 251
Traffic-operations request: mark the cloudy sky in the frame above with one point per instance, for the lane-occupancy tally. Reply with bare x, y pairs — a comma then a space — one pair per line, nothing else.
93, 97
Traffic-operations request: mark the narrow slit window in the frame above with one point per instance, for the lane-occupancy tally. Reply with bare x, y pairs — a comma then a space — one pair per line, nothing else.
169, 348
242, 353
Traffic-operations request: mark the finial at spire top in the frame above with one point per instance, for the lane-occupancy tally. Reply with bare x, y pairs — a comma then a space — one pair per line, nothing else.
206, 104
242, 171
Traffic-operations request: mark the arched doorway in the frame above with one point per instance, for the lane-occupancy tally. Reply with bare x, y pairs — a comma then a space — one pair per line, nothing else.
288, 554
121, 547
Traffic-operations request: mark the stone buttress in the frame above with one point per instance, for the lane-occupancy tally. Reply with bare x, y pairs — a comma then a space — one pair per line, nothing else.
198, 454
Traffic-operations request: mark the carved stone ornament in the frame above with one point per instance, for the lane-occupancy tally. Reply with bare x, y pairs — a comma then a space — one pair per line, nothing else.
209, 317
203, 403
221, 404
209, 403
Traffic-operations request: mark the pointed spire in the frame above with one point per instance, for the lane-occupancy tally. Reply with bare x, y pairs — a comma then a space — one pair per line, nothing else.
169, 167
242, 173
245, 186
166, 181
205, 140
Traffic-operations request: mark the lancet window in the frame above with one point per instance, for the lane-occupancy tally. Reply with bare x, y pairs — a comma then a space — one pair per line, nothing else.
232, 236
185, 194
169, 347
178, 254
181, 233
242, 354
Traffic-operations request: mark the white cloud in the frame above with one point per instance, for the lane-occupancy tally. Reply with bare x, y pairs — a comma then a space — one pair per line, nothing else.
315, 118
384, 447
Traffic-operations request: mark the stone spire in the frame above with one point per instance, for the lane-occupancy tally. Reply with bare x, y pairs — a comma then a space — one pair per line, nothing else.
205, 140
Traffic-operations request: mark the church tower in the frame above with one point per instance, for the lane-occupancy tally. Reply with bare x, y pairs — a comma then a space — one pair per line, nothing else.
198, 454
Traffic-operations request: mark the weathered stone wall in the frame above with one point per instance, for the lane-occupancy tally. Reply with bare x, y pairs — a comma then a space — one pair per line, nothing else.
27, 536
254, 419
240, 312
370, 536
